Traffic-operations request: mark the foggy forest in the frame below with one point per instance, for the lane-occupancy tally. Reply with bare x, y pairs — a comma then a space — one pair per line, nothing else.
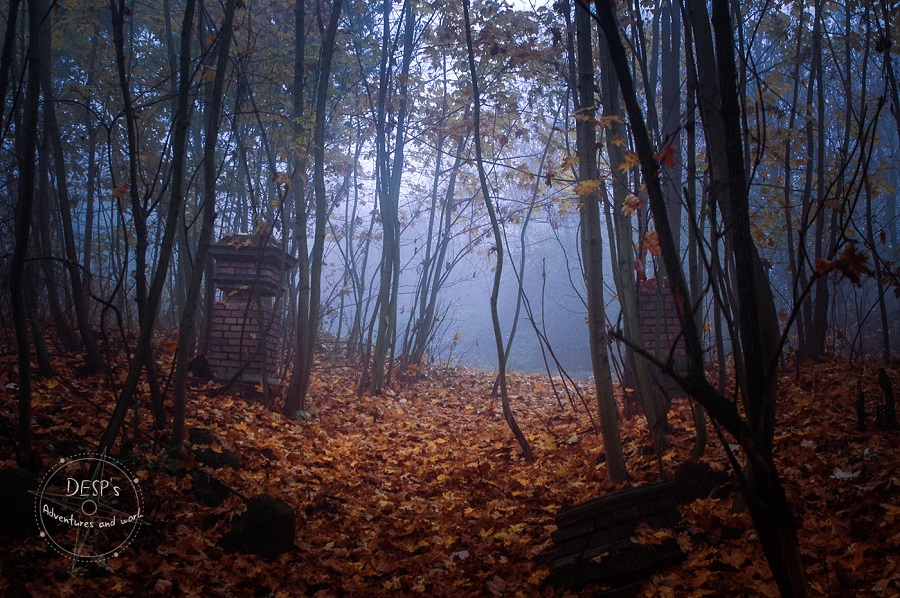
449, 297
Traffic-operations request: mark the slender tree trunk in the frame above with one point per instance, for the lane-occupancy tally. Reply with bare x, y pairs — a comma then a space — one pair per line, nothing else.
6, 57
717, 78
210, 167
387, 211
671, 113
498, 240
142, 350
820, 300
627, 284
25, 455
91, 186
788, 179
867, 182
182, 246
438, 269
414, 349
311, 270
138, 214
695, 233
295, 398
318, 249
391, 177
45, 249
759, 323
592, 248
93, 360
805, 319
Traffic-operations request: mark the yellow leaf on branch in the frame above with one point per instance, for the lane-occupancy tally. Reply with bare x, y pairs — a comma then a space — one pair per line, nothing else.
587, 187
632, 204
629, 161
651, 243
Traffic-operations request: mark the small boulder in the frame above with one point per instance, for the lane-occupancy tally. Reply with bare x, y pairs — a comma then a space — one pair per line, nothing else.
212, 454
207, 489
266, 528
218, 460
200, 436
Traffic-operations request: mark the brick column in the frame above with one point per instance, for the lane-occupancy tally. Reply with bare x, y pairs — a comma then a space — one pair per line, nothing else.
661, 330
235, 334
251, 276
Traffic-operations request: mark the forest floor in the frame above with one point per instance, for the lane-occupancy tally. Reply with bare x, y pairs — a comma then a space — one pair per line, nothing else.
423, 490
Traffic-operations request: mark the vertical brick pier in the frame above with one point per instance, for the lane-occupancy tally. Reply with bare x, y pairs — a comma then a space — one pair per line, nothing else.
660, 331
246, 322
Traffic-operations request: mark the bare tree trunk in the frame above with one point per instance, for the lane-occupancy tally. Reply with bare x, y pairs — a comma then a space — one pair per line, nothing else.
138, 214
695, 232
295, 397
788, 181
45, 250
142, 350
80, 297
315, 274
91, 190
805, 319
498, 240
436, 266
24, 454
440, 216
820, 300
390, 177
387, 210
717, 78
870, 229
211, 140
592, 248
671, 115
759, 323
6, 57
308, 303
626, 280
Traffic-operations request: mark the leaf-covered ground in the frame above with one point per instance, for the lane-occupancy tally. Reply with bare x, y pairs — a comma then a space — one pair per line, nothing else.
423, 491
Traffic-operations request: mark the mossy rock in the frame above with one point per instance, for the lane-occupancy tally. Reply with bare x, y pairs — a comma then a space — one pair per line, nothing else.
265, 529
216, 459
211, 458
207, 489
200, 436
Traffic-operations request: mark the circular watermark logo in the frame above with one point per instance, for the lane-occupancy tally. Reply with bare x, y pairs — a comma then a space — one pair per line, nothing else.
89, 507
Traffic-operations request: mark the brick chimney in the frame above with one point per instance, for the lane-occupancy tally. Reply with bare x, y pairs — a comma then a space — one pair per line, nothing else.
661, 330
246, 323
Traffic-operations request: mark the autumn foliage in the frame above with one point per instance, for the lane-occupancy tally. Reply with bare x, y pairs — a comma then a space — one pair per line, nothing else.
423, 491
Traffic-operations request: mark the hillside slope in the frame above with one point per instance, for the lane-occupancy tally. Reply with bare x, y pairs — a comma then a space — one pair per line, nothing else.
424, 491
